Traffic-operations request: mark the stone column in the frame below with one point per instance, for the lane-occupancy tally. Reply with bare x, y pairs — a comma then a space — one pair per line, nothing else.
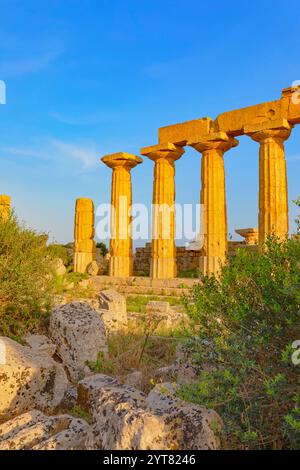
121, 258
163, 263
273, 195
4, 206
84, 245
213, 198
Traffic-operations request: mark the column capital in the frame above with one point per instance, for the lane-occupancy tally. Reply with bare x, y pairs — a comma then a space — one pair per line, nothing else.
5, 200
164, 150
249, 234
214, 141
276, 129
121, 159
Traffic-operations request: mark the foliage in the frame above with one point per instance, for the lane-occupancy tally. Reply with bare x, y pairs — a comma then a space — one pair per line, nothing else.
297, 202
189, 273
137, 349
61, 251
78, 412
103, 248
138, 303
249, 318
69, 285
25, 279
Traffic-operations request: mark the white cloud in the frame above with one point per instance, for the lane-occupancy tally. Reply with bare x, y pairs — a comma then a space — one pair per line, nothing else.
86, 120
30, 62
84, 156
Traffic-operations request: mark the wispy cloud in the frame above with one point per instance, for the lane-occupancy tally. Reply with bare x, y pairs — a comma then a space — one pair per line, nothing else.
28, 65
24, 64
82, 156
86, 120
86, 156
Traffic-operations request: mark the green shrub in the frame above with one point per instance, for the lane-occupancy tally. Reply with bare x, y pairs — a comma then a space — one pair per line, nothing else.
25, 279
248, 319
189, 273
61, 251
103, 248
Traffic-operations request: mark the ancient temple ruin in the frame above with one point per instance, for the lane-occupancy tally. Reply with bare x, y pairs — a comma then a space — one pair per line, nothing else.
269, 124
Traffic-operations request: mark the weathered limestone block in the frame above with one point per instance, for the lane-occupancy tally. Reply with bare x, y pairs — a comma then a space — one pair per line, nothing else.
213, 198
113, 310
235, 122
29, 378
250, 235
158, 307
167, 317
93, 268
291, 96
124, 421
5, 202
91, 388
79, 334
121, 259
33, 430
195, 425
134, 379
182, 132
163, 263
58, 267
84, 245
71, 438
41, 343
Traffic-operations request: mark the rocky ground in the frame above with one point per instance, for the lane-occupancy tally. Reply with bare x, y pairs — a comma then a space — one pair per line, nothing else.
45, 379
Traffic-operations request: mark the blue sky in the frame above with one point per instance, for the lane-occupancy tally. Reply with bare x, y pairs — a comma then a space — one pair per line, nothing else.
90, 77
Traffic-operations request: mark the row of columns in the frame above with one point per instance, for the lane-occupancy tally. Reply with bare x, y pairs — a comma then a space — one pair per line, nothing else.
273, 203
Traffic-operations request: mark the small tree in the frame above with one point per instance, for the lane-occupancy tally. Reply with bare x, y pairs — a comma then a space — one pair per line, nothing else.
102, 247
56, 250
25, 279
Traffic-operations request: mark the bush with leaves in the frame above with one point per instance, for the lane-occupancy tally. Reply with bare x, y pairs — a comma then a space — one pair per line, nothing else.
61, 251
249, 317
103, 248
25, 279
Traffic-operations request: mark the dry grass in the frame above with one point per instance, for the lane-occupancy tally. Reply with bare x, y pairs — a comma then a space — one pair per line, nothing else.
137, 349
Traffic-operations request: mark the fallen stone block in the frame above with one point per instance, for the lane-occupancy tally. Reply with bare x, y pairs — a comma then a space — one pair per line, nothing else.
29, 378
79, 334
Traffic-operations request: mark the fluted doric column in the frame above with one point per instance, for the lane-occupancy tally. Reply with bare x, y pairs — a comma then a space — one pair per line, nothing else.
213, 198
84, 245
273, 193
121, 258
5, 202
163, 263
